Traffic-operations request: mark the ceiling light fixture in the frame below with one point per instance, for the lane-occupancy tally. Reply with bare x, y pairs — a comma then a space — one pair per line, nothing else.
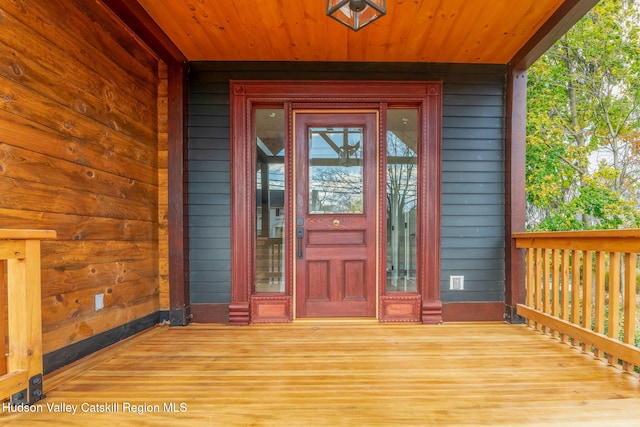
355, 14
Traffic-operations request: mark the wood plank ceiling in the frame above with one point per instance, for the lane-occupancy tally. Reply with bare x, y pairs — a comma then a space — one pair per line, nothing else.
454, 31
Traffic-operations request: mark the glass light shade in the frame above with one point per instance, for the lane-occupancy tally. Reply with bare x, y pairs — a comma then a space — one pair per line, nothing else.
355, 14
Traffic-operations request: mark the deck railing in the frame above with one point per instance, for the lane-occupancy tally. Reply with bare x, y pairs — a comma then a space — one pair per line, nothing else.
21, 317
582, 288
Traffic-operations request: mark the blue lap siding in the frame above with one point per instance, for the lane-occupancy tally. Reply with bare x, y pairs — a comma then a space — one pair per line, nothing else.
472, 168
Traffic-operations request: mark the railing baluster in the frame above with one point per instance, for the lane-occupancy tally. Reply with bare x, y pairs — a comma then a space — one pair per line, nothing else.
555, 286
565, 289
575, 288
545, 284
531, 280
600, 295
614, 298
629, 332
587, 294
539, 282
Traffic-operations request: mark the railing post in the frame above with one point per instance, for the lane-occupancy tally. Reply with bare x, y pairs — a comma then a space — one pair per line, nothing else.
21, 250
3, 324
25, 321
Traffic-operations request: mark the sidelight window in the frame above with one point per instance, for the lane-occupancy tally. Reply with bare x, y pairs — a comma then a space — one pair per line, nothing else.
402, 199
270, 200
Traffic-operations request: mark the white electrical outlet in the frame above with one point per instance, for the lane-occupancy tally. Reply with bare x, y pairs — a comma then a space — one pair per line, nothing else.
456, 283
98, 302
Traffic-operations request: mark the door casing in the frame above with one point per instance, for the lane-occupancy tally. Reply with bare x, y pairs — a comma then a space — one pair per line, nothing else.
423, 306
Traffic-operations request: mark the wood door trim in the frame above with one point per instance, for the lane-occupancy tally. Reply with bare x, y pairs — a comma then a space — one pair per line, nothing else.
246, 95
429, 187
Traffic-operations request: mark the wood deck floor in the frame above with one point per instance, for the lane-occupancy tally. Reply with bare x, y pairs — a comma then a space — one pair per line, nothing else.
338, 374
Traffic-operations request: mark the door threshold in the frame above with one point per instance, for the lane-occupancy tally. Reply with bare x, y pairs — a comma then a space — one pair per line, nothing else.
335, 320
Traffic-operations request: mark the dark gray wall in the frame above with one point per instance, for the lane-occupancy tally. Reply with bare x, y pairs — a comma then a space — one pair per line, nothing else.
473, 187
473, 169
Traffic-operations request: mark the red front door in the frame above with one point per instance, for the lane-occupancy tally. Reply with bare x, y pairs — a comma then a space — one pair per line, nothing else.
336, 213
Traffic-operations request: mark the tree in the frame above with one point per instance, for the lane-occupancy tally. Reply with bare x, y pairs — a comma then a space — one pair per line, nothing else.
583, 168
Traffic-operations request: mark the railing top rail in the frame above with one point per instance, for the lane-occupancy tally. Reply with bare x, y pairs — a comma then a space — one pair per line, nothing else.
626, 240
26, 234
630, 233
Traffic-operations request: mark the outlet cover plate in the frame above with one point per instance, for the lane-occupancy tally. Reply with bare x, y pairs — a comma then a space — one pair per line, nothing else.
456, 283
98, 302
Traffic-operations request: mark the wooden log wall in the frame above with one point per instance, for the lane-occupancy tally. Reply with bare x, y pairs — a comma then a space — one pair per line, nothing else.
79, 154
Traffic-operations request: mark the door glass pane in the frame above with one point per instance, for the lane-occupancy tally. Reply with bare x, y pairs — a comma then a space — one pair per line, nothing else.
335, 170
402, 190
270, 191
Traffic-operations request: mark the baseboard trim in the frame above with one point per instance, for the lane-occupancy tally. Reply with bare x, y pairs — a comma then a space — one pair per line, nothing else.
473, 311
163, 316
451, 312
210, 313
69, 354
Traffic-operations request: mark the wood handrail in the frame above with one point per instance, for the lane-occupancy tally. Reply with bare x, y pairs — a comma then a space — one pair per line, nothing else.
626, 233
581, 287
26, 234
20, 251
627, 240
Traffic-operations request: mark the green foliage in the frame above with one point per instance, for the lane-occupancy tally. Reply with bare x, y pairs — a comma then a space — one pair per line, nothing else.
583, 168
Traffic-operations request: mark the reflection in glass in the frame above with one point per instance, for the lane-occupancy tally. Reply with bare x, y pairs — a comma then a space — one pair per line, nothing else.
270, 191
335, 170
402, 190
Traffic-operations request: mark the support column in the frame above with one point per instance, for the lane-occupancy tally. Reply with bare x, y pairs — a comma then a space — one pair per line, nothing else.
515, 198
179, 294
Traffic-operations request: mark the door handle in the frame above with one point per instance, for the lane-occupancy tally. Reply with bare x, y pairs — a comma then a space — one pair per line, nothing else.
300, 236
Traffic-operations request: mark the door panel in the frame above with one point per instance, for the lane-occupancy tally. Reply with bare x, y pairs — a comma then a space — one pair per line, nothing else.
318, 281
355, 280
336, 238
336, 213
